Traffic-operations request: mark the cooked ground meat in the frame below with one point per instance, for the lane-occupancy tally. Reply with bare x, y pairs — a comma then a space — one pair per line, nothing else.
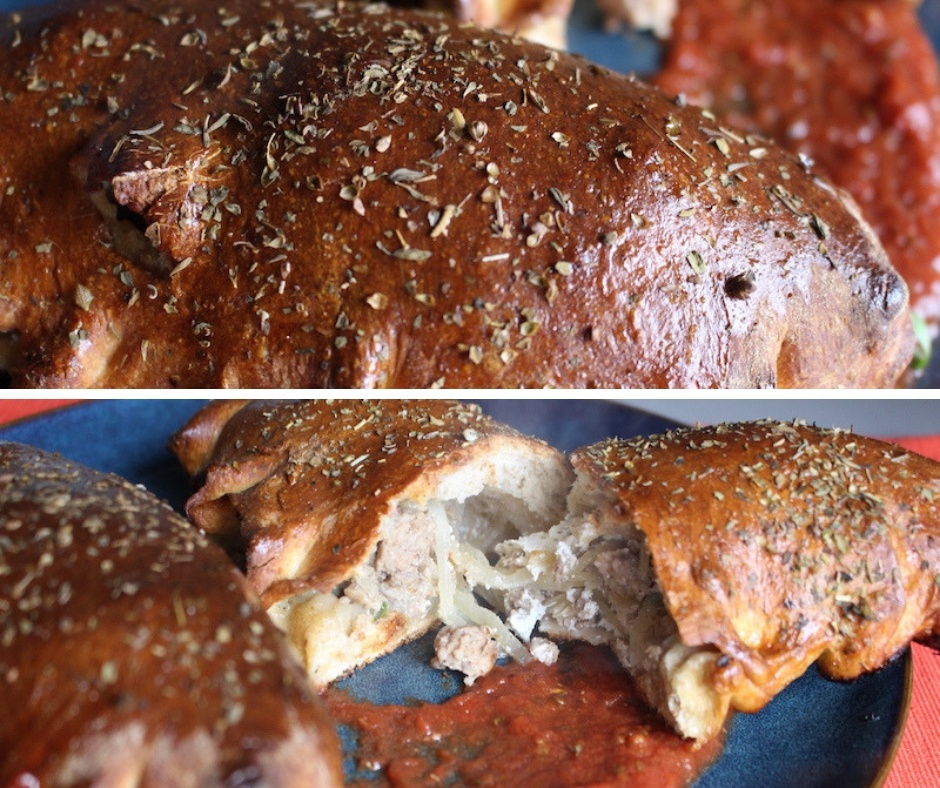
470, 650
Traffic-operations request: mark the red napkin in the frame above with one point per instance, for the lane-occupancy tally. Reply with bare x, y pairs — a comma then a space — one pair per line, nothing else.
918, 758
14, 409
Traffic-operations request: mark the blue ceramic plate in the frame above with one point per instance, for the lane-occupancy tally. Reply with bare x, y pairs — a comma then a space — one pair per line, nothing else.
816, 733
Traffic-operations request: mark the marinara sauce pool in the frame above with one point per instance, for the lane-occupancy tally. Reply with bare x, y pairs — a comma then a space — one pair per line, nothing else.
578, 722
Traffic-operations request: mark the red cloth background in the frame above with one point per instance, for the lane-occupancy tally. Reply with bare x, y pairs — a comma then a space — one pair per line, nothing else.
917, 763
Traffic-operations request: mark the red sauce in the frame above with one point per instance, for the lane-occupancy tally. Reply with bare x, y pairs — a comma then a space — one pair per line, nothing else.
854, 84
578, 722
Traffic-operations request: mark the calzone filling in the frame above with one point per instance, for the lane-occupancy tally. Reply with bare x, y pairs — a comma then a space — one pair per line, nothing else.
500, 588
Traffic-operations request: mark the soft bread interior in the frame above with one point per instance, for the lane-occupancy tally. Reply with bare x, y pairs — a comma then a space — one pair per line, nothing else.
590, 578
491, 556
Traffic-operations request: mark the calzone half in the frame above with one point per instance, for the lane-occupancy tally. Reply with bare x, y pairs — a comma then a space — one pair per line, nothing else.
132, 653
348, 513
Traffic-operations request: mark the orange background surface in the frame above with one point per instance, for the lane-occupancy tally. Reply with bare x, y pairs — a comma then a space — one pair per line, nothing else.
917, 763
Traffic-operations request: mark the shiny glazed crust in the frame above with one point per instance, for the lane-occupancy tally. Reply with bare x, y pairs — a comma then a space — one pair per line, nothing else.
779, 544
132, 652
364, 197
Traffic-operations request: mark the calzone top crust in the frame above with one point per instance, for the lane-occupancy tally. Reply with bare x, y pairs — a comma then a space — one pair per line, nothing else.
280, 194
306, 486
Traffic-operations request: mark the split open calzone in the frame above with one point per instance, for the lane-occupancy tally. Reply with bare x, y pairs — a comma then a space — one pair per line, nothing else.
718, 563
773, 545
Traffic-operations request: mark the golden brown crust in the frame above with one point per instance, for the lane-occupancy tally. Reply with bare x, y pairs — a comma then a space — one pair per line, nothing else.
307, 484
365, 197
131, 651
780, 543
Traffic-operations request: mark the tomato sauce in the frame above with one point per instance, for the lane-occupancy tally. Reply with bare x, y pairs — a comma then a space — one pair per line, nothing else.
578, 722
853, 84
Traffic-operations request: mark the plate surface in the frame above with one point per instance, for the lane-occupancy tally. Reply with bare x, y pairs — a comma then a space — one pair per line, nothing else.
816, 733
